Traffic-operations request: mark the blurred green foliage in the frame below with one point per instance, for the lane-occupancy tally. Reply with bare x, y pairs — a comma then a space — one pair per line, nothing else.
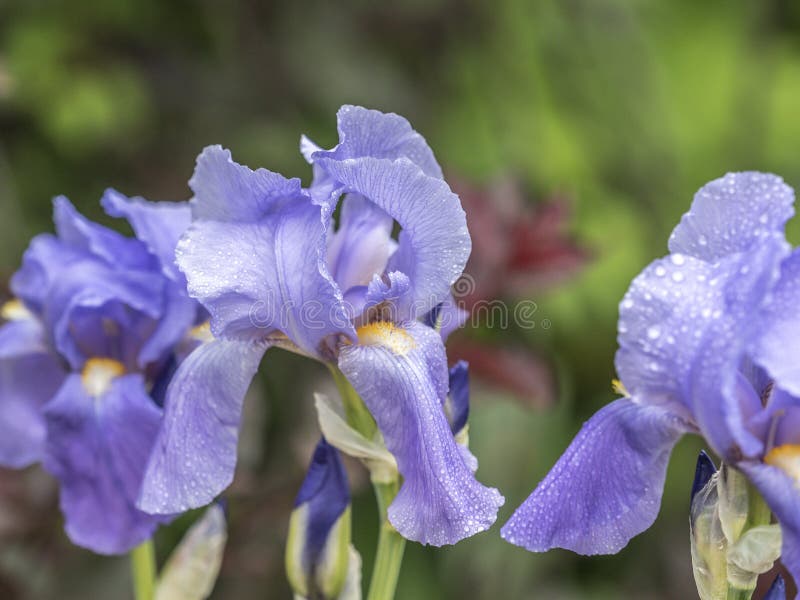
626, 107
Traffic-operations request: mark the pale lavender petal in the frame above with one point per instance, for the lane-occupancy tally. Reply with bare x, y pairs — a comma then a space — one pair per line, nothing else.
779, 344
194, 456
256, 266
606, 488
401, 374
662, 319
391, 296
44, 260
29, 377
158, 224
719, 405
434, 244
113, 248
227, 191
98, 447
362, 244
364, 132
733, 213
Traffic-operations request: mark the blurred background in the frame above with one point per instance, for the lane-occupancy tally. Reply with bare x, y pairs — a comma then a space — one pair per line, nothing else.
575, 131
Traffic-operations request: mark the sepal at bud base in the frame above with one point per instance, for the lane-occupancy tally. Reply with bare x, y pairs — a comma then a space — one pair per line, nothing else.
318, 545
192, 568
705, 533
732, 542
372, 452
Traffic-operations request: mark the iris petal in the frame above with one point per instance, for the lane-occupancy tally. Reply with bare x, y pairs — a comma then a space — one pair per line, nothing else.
364, 132
779, 344
29, 377
434, 244
98, 449
733, 213
252, 256
606, 487
194, 456
158, 224
402, 376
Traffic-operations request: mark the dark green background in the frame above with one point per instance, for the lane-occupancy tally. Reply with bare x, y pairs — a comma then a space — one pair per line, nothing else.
626, 108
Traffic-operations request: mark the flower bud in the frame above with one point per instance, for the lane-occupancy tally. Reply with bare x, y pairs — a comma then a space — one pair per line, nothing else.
191, 570
732, 541
318, 545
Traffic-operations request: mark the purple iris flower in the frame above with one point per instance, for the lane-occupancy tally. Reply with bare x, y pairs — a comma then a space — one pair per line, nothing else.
98, 323
266, 258
709, 339
319, 529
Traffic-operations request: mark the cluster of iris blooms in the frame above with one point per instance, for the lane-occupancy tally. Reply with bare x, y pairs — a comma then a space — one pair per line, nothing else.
125, 362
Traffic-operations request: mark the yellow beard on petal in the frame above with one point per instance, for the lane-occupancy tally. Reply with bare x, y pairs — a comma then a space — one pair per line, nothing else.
15, 310
98, 373
786, 458
202, 332
386, 334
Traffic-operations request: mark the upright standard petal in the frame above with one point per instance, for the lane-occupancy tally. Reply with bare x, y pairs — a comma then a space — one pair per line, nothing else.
779, 343
681, 312
362, 244
77, 231
97, 447
730, 214
607, 486
401, 374
434, 243
721, 404
194, 456
226, 191
44, 260
252, 256
158, 224
364, 132
662, 319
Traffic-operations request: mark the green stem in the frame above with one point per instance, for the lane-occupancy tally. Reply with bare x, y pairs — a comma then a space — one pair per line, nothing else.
143, 568
737, 594
358, 417
758, 512
391, 545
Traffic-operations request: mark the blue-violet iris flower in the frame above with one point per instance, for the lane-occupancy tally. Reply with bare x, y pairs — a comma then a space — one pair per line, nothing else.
318, 545
97, 326
709, 339
264, 257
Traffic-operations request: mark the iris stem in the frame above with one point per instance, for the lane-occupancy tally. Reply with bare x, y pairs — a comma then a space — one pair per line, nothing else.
391, 545
356, 413
143, 568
